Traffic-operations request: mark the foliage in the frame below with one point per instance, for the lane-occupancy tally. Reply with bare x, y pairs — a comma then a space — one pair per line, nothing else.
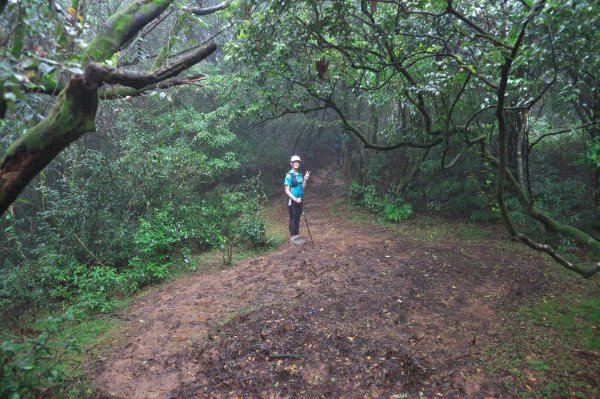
371, 199
390, 206
394, 209
143, 272
593, 153
239, 218
25, 368
91, 289
354, 191
159, 233
31, 363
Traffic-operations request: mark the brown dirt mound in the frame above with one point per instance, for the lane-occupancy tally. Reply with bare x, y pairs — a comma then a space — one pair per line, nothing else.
364, 312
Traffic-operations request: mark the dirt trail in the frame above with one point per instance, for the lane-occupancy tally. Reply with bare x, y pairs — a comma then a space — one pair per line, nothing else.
362, 313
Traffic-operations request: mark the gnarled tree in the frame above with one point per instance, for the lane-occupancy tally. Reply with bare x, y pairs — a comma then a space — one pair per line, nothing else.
74, 111
449, 64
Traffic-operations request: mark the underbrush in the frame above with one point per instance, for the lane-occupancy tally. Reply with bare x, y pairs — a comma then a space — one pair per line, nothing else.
45, 352
388, 206
58, 313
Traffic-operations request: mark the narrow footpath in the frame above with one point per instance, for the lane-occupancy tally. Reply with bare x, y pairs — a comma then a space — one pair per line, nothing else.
364, 312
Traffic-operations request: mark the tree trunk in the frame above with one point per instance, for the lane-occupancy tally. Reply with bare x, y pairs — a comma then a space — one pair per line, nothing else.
522, 122
414, 171
73, 115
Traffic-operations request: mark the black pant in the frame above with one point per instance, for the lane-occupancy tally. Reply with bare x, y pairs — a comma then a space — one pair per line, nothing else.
295, 213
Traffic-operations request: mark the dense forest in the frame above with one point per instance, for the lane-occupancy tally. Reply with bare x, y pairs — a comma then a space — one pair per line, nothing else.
141, 140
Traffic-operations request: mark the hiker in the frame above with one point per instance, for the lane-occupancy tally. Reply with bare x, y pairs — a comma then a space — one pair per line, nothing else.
293, 185
341, 147
338, 147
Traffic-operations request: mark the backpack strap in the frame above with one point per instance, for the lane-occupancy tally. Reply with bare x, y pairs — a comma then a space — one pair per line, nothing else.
294, 179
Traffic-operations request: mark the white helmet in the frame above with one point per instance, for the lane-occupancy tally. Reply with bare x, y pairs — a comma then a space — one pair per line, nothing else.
295, 158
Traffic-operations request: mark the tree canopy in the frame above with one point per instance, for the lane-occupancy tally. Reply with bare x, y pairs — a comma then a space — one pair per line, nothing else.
441, 79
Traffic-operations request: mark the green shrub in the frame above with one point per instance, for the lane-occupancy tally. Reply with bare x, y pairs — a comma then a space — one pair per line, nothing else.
26, 370
484, 215
354, 192
159, 233
557, 199
143, 272
371, 199
466, 204
390, 206
253, 231
394, 209
92, 288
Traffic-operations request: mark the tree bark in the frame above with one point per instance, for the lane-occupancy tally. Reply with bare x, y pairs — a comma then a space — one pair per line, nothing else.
73, 115
414, 171
75, 109
522, 124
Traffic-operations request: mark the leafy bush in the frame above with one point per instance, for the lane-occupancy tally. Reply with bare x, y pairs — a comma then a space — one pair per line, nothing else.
159, 233
394, 209
92, 288
143, 272
26, 369
466, 204
390, 206
253, 230
484, 215
354, 192
371, 199
558, 199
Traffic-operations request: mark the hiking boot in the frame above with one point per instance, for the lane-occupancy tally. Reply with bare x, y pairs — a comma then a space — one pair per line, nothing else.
297, 240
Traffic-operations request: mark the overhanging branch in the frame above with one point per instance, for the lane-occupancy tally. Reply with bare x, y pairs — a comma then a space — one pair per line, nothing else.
117, 92
208, 10
543, 136
96, 74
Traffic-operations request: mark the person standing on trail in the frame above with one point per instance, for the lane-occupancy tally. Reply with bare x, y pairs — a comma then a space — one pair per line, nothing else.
338, 148
294, 184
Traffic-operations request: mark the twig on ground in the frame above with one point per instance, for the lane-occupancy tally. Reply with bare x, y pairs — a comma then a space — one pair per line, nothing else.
285, 356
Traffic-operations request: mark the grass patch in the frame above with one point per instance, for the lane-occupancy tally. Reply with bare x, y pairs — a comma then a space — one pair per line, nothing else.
555, 349
419, 227
472, 231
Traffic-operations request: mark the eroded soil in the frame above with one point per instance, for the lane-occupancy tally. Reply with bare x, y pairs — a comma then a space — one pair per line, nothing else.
364, 312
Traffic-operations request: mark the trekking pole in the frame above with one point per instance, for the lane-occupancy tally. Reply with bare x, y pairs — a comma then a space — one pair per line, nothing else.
308, 228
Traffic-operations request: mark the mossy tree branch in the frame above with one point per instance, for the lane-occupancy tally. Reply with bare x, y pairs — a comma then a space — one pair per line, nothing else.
122, 27
76, 106
579, 236
114, 92
505, 175
96, 74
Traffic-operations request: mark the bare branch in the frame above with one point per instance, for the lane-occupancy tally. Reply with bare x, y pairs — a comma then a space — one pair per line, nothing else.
207, 10
543, 136
96, 74
372, 146
292, 111
119, 92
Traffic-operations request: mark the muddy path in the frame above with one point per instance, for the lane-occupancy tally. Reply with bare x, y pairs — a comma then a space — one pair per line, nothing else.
364, 312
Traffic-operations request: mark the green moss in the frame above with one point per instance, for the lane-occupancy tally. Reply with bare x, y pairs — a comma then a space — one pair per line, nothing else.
106, 43
19, 36
552, 348
164, 51
577, 318
120, 27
